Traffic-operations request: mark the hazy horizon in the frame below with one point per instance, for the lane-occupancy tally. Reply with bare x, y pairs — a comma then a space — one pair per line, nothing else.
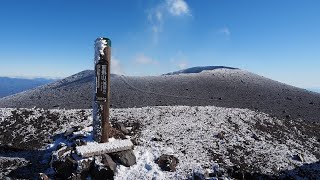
54, 39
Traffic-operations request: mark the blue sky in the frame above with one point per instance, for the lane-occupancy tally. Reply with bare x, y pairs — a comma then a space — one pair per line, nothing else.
54, 38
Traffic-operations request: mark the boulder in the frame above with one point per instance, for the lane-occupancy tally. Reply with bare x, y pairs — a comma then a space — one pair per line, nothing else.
167, 162
64, 167
126, 158
108, 162
102, 168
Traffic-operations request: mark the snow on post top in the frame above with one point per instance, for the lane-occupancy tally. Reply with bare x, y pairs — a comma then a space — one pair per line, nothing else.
100, 44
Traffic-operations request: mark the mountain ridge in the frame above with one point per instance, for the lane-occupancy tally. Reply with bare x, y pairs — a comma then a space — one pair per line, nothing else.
222, 87
9, 85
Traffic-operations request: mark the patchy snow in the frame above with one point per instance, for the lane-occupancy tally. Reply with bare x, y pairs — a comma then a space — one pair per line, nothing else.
204, 139
145, 168
201, 137
100, 45
94, 148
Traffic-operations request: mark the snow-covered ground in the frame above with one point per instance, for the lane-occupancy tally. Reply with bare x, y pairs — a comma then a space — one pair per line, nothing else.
205, 138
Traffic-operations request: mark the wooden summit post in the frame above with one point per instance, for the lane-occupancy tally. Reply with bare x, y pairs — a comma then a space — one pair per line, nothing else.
101, 103
101, 125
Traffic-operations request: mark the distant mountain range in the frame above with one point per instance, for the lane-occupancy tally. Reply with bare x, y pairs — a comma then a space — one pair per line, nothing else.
199, 86
9, 86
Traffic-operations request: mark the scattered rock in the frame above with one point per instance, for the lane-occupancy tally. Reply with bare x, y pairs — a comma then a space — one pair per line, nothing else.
298, 157
43, 176
109, 163
100, 170
255, 137
167, 162
126, 158
288, 98
84, 166
121, 127
156, 138
220, 135
64, 168
79, 142
117, 134
63, 151
101, 174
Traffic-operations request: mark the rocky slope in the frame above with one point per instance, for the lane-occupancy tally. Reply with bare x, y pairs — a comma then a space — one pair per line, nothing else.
207, 141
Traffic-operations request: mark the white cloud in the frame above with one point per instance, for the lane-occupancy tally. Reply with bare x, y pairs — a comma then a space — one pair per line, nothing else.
116, 67
177, 7
144, 60
225, 31
158, 15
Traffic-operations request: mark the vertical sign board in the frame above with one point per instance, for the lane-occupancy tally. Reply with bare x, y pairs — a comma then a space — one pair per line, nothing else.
101, 125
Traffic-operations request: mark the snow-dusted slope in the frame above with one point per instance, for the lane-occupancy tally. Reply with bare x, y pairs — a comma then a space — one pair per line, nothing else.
219, 87
230, 142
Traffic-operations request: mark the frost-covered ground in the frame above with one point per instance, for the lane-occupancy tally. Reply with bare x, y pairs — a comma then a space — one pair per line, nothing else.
227, 142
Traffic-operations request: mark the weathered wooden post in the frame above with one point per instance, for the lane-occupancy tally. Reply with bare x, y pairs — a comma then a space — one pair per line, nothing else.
101, 125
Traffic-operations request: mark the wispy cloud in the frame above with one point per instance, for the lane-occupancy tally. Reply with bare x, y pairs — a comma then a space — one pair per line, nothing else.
116, 67
163, 11
142, 59
225, 31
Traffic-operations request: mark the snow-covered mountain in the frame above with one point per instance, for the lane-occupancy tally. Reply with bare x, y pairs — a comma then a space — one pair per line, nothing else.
224, 87
199, 69
218, 122
9, 86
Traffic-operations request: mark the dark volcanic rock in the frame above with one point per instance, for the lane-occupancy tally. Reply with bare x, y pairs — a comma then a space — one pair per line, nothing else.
104, 171
64, 168
108, 162
126, 158
167, 162
43, 176
121, 127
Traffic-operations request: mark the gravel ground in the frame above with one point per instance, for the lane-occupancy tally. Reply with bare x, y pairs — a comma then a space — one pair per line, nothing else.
231, 142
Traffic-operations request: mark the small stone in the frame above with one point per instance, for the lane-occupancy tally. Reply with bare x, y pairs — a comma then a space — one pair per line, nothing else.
255, 137
167, 162
298, 157
220, 135
43, 176
80, 142
63, 151
126, 158
156, 139
121, 128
